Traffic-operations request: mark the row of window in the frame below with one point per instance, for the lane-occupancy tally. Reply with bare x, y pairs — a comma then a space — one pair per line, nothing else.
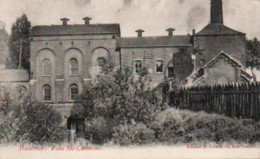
159, 67
73, 66
73, 92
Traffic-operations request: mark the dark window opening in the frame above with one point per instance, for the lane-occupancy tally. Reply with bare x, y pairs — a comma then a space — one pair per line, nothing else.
138, 66
78, 125
170, 72
159, 65
73, 66
73, 92
47, 93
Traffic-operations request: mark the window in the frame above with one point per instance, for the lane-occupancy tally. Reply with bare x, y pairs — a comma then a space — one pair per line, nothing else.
101, 62
47, 92
73, 91
73, 66
138, 66
170, 72
159, 65
46, 67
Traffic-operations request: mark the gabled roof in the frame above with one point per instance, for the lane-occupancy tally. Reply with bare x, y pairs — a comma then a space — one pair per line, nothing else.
14, 75
222, 54
154, 41
56, 30
218, 29
217, 57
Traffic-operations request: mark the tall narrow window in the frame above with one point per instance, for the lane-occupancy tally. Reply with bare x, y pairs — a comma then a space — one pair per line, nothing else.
159, 65
47, 92
74, 66
46, 67
73, 91
138, 66
170, 72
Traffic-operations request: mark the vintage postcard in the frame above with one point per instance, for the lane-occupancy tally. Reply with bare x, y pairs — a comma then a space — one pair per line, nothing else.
129, 79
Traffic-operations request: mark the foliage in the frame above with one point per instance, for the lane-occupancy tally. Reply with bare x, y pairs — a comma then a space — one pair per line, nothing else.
117, 98
253, 55
25, 120
133, 133
183, 64
42, 124
182, 126
20, 32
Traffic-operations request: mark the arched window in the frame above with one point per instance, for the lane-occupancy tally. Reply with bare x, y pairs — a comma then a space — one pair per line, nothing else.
73, 66
47, 92
46, 67
73, 91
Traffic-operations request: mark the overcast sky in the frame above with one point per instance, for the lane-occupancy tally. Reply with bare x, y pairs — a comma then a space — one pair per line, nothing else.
153, 16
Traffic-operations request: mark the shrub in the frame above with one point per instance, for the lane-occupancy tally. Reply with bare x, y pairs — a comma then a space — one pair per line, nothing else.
173, 126
98, 130
42, 124
126, 134
25, 120
113, 99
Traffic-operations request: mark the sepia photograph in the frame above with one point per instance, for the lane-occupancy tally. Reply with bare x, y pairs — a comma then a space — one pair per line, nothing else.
129, 79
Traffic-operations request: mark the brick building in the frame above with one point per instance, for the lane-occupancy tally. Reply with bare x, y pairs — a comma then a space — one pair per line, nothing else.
64, 58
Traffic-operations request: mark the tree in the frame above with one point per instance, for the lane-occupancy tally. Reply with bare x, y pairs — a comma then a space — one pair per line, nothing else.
23, 119
19, 44
115, 98
253, 55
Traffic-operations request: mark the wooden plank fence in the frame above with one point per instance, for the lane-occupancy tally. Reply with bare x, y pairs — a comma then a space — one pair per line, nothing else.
233, 100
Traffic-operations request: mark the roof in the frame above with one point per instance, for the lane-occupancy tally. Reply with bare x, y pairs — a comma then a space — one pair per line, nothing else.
215, 58
14, 75
222, 54
154, 41
52, 30
218, 29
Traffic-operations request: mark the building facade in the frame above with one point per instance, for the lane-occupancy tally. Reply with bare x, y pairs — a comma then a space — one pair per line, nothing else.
65, 58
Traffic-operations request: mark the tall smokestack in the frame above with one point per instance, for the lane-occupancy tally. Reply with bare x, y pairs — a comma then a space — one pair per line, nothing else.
216, 12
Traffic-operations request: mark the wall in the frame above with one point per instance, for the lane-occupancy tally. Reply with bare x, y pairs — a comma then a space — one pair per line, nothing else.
129, 55
220, 72
233, 45
60, 49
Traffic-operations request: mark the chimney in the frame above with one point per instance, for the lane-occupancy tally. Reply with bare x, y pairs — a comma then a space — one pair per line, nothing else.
87, 19
139, 32
216, 12
193, 32
170, 31
64, 21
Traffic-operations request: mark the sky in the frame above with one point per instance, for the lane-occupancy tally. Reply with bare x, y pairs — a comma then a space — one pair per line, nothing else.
153, 16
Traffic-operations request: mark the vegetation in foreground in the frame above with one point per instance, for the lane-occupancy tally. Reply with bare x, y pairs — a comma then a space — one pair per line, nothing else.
118, 110
122, 110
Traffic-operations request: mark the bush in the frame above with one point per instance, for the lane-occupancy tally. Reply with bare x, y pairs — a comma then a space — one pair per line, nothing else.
24, 120
173, 126
113, 99
98, 130
126, 134
42, 125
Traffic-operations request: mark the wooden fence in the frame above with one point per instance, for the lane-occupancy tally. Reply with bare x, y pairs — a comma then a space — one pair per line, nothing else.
233, 100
